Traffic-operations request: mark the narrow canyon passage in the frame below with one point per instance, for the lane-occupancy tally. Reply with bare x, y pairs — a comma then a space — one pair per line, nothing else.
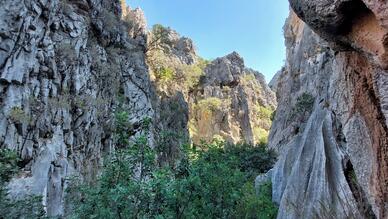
102, 116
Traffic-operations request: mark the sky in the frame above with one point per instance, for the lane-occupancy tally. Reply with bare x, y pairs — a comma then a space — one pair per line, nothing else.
253, 28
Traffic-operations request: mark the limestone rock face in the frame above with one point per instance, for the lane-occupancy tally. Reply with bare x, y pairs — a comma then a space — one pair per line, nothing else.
64, 65
224, 99
231, 102
330, 127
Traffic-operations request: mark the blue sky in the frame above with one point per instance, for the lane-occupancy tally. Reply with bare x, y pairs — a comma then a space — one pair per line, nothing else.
253, 28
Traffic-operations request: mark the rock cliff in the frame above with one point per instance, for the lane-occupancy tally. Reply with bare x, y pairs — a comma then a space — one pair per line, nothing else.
330, 128
231, 103
225, 99
66, 67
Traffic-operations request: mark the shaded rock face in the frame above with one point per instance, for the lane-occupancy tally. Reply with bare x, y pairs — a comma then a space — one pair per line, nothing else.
63, 67
229, 103
330, 128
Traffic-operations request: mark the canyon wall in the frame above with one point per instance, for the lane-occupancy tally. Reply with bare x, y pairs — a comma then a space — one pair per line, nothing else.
66, 68
330, 128
70, 69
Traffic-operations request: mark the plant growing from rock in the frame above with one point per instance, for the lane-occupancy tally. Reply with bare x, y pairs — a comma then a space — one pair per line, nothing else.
159, 39
304, 104
18, 115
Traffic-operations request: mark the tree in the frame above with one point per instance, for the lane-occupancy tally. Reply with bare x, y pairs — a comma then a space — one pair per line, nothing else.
159, 38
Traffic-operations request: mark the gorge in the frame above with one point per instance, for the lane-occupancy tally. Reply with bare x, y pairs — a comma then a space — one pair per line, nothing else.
81, 80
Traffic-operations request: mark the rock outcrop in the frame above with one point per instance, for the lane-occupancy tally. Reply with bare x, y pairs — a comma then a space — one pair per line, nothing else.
225, 100
330, 128
231, 103
65, 67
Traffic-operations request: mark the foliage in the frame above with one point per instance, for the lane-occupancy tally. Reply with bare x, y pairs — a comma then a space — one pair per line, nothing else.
192, 73
209, 104
251, 206
8, 165
159, 38
210, 181
9, 208
250, 81
248, 78
260, 134
165, 74
264, 112
167, 70
304, 103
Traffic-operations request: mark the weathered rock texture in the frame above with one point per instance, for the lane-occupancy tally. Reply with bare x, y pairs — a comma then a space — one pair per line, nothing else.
64, 66
225, 100
231, 102
330, 127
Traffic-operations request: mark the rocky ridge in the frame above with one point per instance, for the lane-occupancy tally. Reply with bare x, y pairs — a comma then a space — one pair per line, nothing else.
226, 100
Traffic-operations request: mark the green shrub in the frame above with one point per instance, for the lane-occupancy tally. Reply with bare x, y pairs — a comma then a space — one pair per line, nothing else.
215, 184
209, 104
304, 103
264, 112
253, 206
159, 38
165, 74
260, 134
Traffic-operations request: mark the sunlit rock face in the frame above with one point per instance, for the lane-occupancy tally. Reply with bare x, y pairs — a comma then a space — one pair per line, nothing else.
224, 100
330, 127
231, 103
65, 67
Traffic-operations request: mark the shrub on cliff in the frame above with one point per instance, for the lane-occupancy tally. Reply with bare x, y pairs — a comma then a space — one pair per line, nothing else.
304, 105
159, 38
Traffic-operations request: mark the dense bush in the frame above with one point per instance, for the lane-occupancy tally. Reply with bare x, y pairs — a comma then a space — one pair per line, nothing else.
210, 181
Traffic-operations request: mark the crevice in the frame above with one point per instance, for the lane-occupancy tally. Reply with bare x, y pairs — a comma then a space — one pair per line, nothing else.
359, 195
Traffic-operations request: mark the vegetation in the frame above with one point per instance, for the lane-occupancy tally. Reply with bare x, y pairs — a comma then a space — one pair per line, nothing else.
209, 181
304, 104
192, 73
264, 112
210, 104
260, 134
17, 115
10, 208
253, 206
159, 39
165, 74
166, 69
